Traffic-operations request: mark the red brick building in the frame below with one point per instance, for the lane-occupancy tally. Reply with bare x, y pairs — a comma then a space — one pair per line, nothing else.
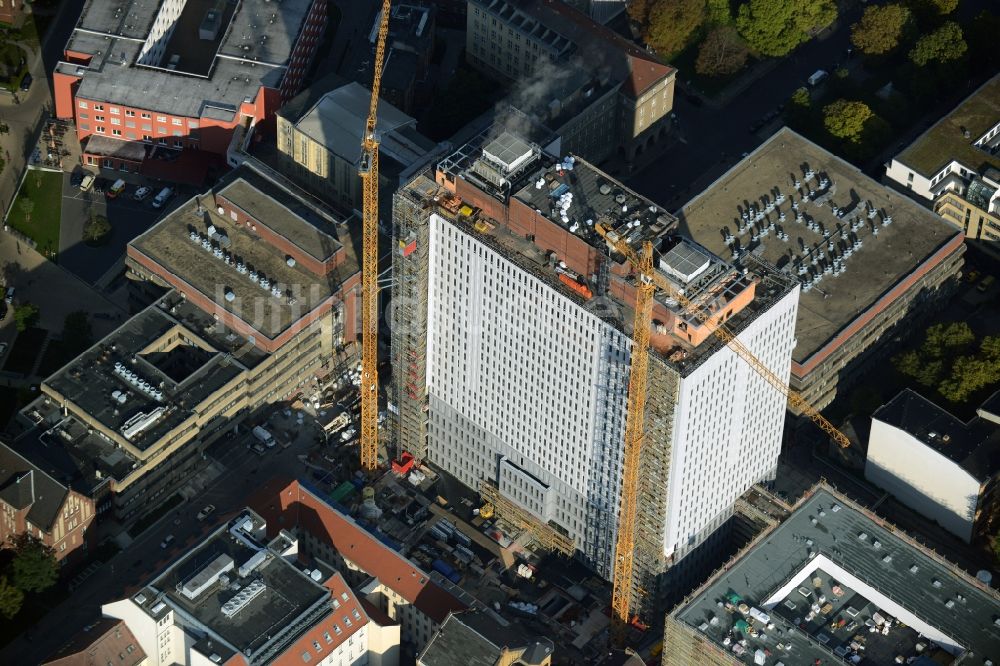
33, 502
181, 75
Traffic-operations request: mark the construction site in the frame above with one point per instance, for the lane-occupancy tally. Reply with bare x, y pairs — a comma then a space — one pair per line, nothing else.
515, 291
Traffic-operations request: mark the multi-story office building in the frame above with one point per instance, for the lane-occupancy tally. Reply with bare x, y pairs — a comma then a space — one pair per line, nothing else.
244, 598
512, 342
831, 584
319, 144
868, 259
34, 503
140, 77
941, 467
261, 290
601, 93
956, 164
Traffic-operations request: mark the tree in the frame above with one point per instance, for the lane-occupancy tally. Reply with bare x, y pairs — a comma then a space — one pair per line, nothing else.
96, 229
719, 12
25, 316
946, 44
801, 97
723, 52
944, 339
638, 10
11, 599
881, 28
776, 27
34, 567
943, 7
845, 119
671, 24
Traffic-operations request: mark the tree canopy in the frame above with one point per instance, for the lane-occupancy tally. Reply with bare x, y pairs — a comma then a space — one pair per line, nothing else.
34, 568
881, 28
949, 361
671, 23
96, 229
846, 119
945, 44
723, 52
776, 27
943, 7
11, 598
25, 316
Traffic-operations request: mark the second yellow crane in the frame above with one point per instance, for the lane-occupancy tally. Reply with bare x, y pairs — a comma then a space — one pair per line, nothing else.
649, 281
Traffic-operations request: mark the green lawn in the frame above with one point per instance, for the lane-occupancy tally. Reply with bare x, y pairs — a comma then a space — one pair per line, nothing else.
44, 190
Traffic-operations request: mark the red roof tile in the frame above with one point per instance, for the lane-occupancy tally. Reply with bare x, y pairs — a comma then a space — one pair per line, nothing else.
293, 505
109, 641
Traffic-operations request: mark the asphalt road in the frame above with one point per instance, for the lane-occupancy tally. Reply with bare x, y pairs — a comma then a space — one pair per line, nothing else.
711, 139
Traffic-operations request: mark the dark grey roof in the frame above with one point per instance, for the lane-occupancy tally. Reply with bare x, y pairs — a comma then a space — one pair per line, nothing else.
22, 485
975, 445
868, 559
476, 638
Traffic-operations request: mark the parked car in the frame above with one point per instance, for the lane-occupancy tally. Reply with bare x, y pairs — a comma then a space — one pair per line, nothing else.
986, 284
76, 178
169, 539
100, 185
117, 189
163, 197
26, 83
206, 511
818, 77
86, 183
3, 348
142, 193
9, 296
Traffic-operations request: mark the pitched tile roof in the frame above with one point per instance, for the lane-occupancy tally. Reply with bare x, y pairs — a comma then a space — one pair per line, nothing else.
108, 642
298, 506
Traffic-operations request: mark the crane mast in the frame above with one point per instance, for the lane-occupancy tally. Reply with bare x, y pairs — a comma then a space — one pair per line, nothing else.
625, 544
649, 282
368, 170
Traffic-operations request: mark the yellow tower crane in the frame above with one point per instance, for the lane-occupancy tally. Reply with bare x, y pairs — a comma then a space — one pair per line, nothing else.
649, 281
368, 169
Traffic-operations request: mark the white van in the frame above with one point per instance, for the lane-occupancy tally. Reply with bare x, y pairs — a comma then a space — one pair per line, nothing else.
817, 77
86, 183
163, 197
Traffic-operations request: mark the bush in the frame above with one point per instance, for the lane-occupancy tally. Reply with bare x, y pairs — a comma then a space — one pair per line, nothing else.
96, 230
25, 316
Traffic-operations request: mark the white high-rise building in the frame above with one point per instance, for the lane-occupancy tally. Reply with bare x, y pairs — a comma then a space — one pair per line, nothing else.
513, 343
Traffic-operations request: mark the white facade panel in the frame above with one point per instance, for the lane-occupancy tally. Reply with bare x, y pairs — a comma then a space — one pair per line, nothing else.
928, 482
516, 370
728, 428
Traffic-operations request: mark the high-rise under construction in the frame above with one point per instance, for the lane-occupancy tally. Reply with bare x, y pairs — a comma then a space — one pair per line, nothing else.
511, 339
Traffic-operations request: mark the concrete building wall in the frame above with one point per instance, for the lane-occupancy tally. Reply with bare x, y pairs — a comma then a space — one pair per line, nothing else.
728, 430
526, 389
923, 479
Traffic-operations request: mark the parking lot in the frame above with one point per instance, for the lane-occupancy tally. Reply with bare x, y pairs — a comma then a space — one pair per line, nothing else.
98, 264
